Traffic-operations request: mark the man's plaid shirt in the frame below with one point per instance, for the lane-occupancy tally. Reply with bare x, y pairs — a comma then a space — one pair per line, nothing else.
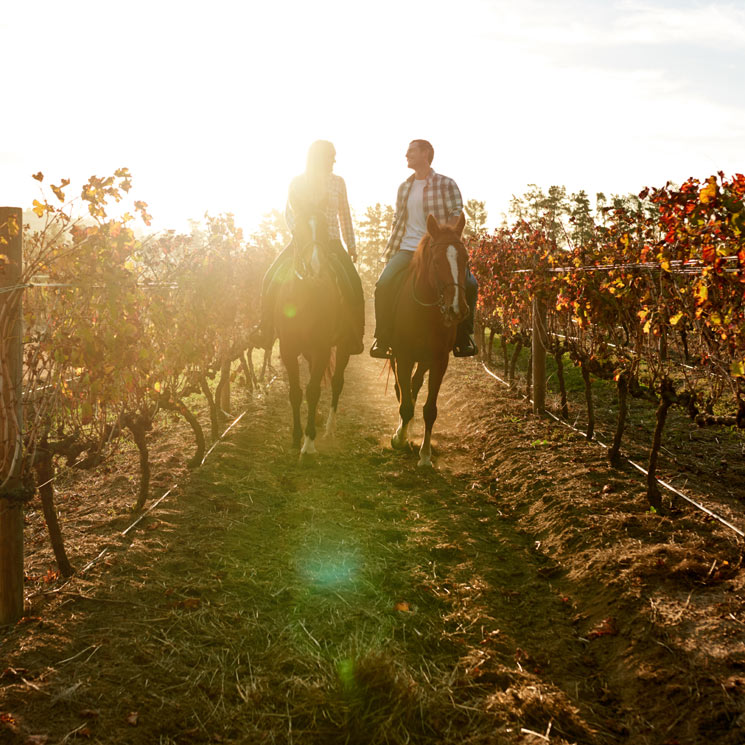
441, 198
337, 209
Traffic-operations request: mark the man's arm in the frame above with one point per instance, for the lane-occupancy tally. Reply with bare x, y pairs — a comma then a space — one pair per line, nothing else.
453, 199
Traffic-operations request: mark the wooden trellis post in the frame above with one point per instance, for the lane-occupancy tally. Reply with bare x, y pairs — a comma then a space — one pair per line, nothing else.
539, 344
11, 505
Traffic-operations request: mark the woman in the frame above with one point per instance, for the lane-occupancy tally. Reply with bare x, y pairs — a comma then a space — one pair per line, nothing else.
321, 190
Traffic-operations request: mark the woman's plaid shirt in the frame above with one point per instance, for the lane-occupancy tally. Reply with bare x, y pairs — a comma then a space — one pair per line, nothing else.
441, 198
337, 209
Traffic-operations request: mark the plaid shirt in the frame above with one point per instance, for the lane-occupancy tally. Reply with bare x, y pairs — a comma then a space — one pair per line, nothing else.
441, 198
337, 209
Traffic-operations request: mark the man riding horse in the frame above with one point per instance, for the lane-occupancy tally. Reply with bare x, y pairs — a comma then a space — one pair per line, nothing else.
321, 191
423, 193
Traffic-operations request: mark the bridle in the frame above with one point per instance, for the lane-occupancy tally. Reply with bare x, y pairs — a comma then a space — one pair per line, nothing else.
440, 286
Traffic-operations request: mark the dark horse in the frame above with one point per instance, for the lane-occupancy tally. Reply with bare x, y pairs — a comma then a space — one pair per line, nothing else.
308, 318
431, 303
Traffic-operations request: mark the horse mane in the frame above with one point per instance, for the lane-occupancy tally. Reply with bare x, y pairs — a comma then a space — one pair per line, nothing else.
421, 259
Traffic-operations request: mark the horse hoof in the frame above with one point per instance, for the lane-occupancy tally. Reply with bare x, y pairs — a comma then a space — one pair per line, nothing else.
309, 447
425, 463
397, 443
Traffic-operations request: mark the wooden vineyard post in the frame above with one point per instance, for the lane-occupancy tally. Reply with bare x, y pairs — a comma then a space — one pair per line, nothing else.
540, 342
11, 503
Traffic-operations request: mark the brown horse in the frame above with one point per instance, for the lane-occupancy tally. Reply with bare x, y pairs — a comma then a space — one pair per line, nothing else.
308, 318
431, 303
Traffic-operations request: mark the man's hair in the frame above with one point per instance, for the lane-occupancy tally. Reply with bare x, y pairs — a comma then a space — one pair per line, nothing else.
427, 147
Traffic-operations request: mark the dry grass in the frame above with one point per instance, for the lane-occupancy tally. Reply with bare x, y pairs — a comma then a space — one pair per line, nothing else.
353, 600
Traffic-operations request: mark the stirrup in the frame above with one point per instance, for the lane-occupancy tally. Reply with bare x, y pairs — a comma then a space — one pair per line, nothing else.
380, 351
465, 347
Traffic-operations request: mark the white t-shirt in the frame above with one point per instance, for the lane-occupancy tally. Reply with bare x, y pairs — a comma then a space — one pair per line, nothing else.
416, 221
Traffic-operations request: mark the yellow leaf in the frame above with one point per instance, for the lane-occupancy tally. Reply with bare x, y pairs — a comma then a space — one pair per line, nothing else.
674, 320
38, 208
13, 228
737, 369
709, 191
158, 387
647, 326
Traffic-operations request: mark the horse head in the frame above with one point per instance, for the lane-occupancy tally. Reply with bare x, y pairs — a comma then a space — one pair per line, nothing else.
309, 236
442, 261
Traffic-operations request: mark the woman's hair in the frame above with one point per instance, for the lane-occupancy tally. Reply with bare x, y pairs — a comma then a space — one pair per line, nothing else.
321, 154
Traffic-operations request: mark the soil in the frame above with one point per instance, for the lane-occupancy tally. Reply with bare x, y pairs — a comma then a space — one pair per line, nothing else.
520, 592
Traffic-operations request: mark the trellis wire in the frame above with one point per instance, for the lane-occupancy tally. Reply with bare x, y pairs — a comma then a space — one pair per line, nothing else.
667, 486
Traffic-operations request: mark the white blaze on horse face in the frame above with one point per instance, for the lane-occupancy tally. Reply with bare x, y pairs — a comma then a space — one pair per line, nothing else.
453, 261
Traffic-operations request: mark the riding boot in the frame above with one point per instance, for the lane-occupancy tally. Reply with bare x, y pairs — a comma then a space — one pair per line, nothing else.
465, 344
381, 348
262, 335
355, 329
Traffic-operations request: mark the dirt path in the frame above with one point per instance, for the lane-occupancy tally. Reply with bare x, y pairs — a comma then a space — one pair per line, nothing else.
519, 593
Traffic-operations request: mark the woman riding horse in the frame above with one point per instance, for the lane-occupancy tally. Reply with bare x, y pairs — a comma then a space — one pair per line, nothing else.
322, 191
431, 304
312, 294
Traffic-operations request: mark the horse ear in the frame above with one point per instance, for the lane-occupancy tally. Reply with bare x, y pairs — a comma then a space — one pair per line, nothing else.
461, 223
433, 226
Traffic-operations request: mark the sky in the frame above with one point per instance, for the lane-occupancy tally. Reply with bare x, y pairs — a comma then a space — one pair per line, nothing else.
212, 105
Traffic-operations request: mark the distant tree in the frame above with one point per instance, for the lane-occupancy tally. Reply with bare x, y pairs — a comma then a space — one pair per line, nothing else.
582, 228
552, 208
373, 230
475, 218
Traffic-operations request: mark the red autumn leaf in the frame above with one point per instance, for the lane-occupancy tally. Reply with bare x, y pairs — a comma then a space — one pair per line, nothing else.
402, 606
133, 718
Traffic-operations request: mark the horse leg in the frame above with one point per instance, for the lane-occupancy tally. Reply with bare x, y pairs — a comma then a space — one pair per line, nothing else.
312, 394
436, 374
417, 380
337, 384
296, 395
395, 380
406, 407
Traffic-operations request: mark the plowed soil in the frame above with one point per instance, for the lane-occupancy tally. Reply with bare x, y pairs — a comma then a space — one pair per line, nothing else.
520, 592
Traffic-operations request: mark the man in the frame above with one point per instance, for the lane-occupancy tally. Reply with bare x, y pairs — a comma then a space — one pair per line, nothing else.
423, 193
